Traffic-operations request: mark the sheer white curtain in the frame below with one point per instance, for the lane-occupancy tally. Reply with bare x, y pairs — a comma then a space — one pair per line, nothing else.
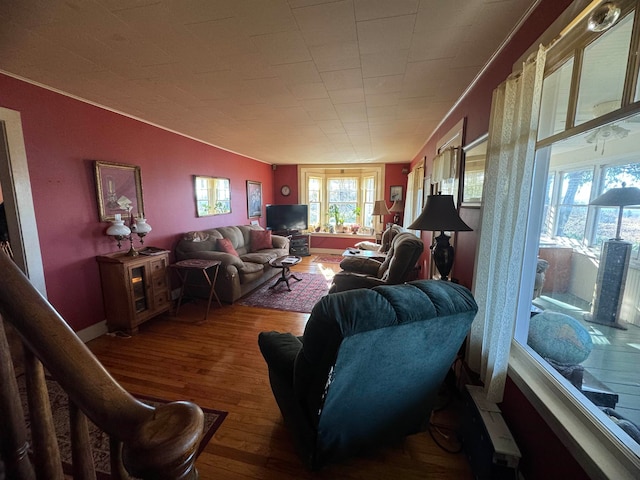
413, 203
507, 188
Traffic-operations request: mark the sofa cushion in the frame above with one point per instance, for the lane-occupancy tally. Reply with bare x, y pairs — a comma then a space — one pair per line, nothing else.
197, 242
262, 257
250, 271
260, 239
224, 245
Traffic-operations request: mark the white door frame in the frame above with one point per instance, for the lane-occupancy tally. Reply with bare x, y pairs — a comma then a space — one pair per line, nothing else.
16, 190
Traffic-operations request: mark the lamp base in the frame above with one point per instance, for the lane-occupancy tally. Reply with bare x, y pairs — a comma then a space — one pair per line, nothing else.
132, 251
443, 255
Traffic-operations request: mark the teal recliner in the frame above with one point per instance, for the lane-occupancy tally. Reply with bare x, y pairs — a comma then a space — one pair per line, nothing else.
368, 367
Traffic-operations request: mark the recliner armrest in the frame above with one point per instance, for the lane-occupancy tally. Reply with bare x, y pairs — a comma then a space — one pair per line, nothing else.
279, 350
367, 266
343, 281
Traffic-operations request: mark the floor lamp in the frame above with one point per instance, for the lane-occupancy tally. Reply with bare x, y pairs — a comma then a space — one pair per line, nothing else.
614, 261
440, 214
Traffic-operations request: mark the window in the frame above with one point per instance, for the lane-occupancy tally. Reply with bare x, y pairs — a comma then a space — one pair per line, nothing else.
341, 197
314, 200
571, 211
589, 143
343, 200
603, 72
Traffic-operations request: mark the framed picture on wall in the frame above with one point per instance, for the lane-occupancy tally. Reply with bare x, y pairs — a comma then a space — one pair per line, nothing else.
395, 193
254, 199
118, 190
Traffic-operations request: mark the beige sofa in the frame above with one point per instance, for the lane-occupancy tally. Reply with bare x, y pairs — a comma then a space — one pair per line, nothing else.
237, 275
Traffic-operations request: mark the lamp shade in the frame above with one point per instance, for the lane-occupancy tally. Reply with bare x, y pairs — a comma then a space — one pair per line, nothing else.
380, 208
142, 227
440, 214
618, 197
118, 229
397, 206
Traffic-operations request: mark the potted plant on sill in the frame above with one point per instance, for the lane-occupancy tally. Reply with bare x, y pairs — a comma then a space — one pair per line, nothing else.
337, 216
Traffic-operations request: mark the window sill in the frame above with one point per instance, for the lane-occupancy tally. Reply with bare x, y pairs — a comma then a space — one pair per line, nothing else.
359, 236
581, 429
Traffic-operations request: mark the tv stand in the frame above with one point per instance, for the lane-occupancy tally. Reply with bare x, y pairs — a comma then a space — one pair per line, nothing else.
285, 233
299, 244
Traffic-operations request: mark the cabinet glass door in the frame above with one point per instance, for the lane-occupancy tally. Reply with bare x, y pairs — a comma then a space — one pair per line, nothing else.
139, 289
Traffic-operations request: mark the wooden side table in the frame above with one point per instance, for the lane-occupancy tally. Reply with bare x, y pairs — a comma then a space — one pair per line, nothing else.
184, 267
285, 263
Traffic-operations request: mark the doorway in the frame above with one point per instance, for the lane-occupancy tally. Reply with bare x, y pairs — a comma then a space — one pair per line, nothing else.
15, 188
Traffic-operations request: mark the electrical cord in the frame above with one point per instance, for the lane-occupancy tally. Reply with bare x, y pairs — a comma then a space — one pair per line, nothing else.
440, 433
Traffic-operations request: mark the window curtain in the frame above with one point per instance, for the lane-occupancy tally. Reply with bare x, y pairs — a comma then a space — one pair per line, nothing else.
508, 180
445, 165
413, 203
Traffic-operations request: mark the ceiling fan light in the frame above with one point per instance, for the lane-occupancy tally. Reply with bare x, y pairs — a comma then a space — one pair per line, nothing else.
603, 17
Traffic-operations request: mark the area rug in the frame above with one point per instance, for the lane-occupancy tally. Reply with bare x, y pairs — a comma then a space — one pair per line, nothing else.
327, 259
99, 440
302, 297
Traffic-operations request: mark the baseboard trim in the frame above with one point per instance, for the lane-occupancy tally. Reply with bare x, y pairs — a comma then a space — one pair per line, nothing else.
94, 331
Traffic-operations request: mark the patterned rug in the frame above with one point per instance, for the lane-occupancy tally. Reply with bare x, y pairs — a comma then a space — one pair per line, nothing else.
99, 440
327, 259
302, 297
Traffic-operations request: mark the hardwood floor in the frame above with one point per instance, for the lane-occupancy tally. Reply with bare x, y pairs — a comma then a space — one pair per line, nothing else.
217, 364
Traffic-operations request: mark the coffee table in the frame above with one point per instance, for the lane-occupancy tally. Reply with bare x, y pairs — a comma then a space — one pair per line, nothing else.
285, 263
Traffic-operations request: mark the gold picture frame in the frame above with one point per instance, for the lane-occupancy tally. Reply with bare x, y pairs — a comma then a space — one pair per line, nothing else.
254, 199
118, 190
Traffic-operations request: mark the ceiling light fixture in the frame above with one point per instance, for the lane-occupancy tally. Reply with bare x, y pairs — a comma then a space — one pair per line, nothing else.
604, 17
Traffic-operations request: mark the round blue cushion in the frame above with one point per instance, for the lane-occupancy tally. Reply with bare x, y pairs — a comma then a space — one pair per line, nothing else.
559, 337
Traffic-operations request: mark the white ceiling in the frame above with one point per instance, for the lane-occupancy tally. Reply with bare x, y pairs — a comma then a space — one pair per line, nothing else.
281, 81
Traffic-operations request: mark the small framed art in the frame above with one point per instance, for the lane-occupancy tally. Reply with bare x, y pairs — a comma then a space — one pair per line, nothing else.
395, 193
254, 199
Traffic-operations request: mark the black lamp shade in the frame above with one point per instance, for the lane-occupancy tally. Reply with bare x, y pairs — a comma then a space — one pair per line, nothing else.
440, 214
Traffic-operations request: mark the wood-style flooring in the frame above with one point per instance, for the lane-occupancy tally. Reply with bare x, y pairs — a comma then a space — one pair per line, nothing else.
217, 364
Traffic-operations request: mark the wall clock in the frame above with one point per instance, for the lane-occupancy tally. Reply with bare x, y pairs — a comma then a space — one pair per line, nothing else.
285, 190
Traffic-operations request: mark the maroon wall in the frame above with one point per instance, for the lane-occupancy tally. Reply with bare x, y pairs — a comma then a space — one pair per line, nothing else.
544, 455
285, 175
62, 137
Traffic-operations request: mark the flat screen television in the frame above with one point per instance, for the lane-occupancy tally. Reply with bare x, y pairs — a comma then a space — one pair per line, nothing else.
287, 217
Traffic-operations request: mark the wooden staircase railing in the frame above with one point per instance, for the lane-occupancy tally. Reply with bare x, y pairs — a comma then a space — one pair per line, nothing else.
145, 442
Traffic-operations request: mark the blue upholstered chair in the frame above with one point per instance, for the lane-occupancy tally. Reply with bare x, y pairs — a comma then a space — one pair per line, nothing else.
368, 367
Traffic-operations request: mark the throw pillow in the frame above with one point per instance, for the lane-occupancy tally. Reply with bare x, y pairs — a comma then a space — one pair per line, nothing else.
260, 239
225, 245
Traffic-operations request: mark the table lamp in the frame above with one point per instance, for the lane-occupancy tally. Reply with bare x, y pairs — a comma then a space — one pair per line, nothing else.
397, 208
440, 214
119, 231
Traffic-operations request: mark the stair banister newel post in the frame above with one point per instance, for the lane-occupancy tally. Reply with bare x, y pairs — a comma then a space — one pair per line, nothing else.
158, 443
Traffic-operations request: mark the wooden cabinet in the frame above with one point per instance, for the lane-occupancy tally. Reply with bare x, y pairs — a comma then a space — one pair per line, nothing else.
134, 289
557, 278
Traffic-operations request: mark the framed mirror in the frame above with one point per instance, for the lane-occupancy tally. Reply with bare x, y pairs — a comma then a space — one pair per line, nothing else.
212, 194
475, 155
